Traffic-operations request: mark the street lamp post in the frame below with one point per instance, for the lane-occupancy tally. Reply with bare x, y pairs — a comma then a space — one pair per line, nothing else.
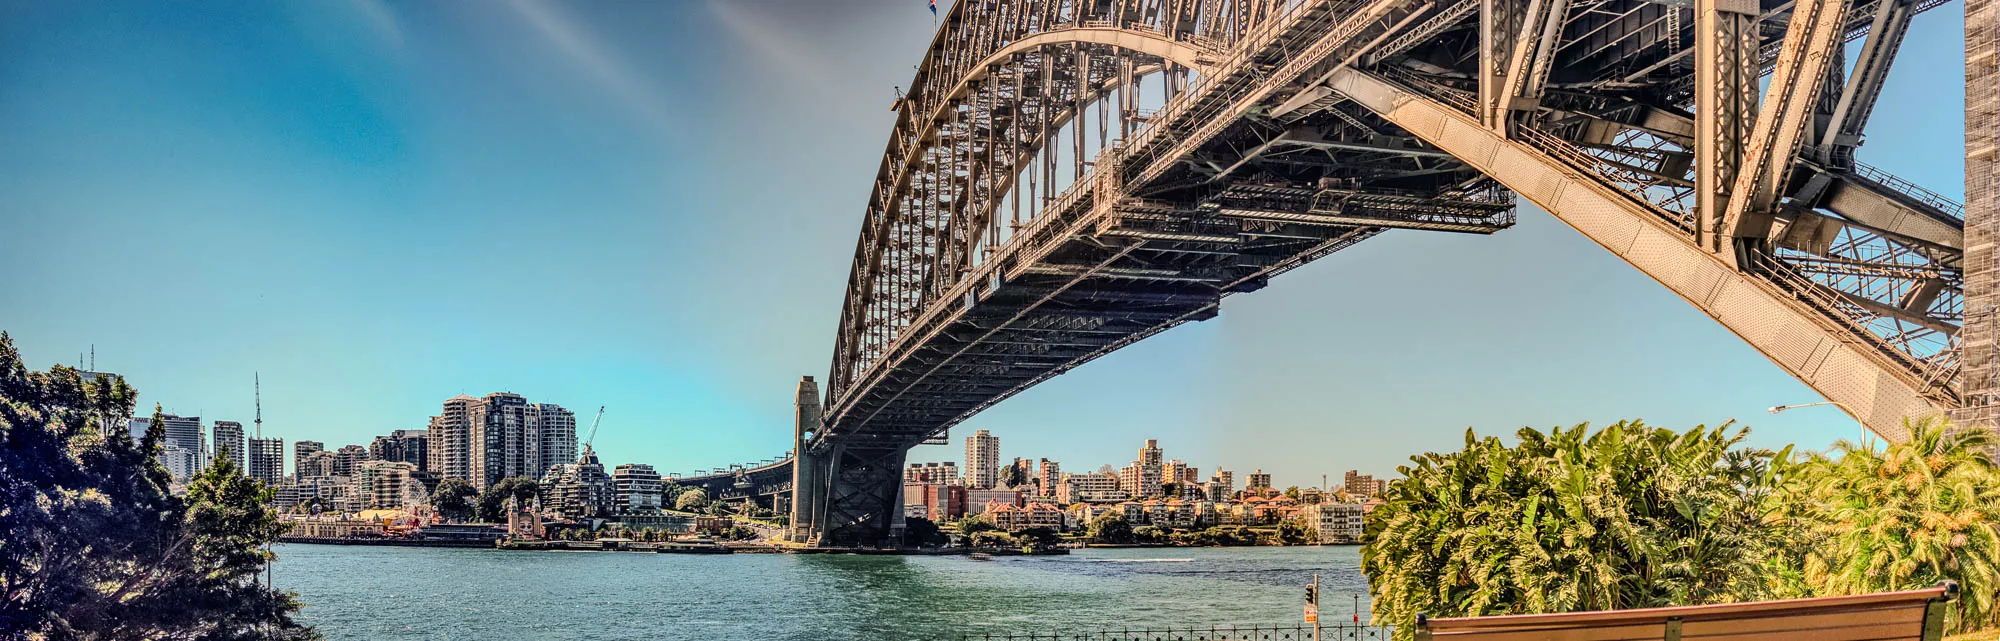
1843, 406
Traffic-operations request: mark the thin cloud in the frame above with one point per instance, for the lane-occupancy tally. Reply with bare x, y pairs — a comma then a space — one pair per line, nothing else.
382, 20
773, 44
583, 50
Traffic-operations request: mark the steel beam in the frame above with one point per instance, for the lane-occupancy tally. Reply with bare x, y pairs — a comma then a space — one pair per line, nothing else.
1822, 356
1725, 59
1782, 122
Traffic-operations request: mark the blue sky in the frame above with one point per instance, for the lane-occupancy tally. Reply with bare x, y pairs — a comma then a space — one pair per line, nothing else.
652, 207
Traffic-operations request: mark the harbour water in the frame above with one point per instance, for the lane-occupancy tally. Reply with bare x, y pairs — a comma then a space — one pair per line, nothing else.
355, 592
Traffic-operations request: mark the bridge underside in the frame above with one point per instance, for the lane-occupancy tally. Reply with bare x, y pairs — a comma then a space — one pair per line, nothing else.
1292, 129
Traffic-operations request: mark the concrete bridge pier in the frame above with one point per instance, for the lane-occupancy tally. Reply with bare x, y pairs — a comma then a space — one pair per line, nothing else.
809, 473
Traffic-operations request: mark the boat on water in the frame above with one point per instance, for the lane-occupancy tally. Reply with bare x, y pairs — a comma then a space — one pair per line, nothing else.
979, 556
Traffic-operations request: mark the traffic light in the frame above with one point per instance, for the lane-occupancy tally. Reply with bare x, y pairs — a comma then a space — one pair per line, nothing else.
1312, 594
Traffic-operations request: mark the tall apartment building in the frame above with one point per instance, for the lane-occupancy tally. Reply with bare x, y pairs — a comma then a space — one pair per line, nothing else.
580, 489
185, 432
637, 488
1362, 485
228, 437
302, 449
266, 459
348, 459
313, 465
1143, 477
1151, 454
389, 484
407, 446
1336, 522
1095, 487
982, 460
1259, 481
138, 426
556, 429
1140, 480
946, 472
1226, 479
484, 440
451, 439
1049, 477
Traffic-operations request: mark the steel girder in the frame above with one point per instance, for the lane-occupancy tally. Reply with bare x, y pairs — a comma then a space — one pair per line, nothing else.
1002, 247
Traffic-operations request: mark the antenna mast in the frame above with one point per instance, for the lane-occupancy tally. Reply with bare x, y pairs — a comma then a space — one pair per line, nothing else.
257, 381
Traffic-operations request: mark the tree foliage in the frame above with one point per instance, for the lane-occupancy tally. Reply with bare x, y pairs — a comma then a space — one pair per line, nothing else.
1915, 513
493, 501
923, 532
691, 499
1109, 528
1624, 517
95, 547
454, 499
1631, 516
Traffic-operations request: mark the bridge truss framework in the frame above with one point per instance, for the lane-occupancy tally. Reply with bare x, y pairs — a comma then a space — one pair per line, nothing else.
1067, 177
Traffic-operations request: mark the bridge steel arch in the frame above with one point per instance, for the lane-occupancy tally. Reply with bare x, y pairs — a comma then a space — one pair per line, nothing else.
1000, 247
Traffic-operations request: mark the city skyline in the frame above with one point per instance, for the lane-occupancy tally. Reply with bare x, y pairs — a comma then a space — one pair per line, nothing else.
413, 208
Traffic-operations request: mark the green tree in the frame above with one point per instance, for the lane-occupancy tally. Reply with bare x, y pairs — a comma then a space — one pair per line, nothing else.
493, 501
691, 499
96, 548
454, 499
1109, 528
1297, 531
1292, 492
1170, 490
970, 525
1623, 517
1908, 516
923, 532
1038, 536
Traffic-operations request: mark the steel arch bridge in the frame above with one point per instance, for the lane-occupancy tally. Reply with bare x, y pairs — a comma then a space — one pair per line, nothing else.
1067, 177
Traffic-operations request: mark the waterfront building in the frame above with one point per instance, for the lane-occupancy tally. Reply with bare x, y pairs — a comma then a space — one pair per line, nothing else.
1228, 481
265, 459
302, 449
578, 490
976, 500
228, 437
407, 446
1336, 522
982, 460
946, 472
389, 485
484, 440
1089, 488
637, 487
1259, 481
1216, 491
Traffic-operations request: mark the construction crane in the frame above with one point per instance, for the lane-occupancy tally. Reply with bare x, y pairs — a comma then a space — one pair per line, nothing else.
593, 428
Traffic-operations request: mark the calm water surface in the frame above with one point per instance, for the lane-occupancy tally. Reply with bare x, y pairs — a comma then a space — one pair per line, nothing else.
428, 593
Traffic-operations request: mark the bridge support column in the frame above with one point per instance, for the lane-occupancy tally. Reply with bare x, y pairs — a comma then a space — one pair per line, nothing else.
808, 471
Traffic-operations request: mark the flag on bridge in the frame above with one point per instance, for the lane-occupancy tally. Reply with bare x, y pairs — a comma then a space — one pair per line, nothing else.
934, 8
